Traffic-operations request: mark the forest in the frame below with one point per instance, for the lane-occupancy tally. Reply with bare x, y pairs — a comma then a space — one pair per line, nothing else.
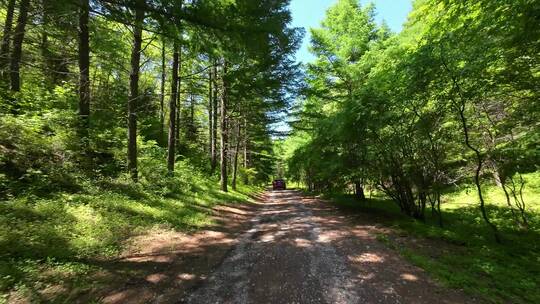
119, 118
451, 98
117, 115
440, 120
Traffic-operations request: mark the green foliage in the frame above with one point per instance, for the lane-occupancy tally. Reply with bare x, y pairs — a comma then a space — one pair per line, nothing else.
55, 214
34, 154
59, 232
418, 112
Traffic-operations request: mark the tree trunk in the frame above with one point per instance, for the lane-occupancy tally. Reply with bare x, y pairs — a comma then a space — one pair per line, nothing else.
479, 159
214, 118
178, 117
49, 60
496, 175
84, 72
210, 115
479, 163
235, 159
173, 111
439, 209
245, 143
18, 37
223, 126
192, 130
47, 68
6, 39
359, 191
162, 97
134, 90
178, 100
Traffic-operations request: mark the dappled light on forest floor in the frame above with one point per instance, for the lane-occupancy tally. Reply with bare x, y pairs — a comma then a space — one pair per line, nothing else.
300, 250
165, 264
409, 277
366, 258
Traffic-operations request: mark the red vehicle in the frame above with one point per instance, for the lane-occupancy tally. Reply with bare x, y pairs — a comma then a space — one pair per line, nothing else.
278, 184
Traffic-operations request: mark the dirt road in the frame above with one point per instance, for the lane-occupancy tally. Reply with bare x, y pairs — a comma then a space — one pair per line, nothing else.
300, 250
285, 248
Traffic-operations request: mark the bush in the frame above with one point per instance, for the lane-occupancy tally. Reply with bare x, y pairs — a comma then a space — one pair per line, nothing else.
247, 175
33, 158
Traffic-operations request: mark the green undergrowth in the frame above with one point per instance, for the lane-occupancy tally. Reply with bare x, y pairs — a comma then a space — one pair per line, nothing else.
46, 240
463, 254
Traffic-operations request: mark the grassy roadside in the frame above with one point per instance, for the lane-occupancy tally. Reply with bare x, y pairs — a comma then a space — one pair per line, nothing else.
49, 241
463, 253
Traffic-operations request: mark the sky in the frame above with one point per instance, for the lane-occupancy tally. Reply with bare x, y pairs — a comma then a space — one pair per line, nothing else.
310, 13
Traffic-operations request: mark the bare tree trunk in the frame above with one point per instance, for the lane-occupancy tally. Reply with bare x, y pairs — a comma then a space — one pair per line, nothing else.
214, 118
173, 111
246, 141
162, 97
192, 130
178, 117
438, 199
223, 157
511, 192
210, 115
479, 164
520, 202
235, 159
496, 176
178, 100
45, 53
359, 191
134, 91
508, 201
48, 57
84, 72
479, 159
6, 39
18, 37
